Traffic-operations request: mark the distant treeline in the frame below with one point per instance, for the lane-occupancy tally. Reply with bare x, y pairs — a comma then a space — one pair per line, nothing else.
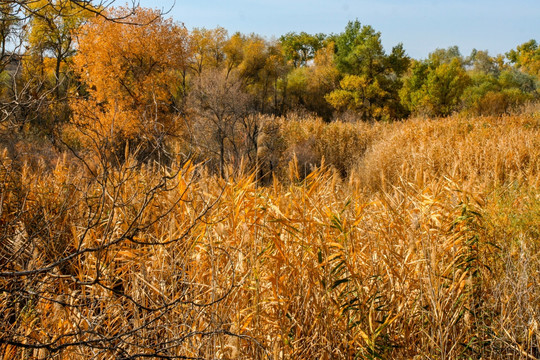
87, 76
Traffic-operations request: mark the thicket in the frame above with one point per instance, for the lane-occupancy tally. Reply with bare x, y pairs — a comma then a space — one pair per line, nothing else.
191, 199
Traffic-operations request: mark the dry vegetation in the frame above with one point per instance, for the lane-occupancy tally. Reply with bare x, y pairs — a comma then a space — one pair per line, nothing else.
428, 249
175, 194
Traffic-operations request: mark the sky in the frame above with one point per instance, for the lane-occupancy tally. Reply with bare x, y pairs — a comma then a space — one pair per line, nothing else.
421, 25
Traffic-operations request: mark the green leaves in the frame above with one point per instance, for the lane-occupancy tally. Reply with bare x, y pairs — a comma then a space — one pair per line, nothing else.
359, 50
371, 78
527, 57
435, 87
301, 48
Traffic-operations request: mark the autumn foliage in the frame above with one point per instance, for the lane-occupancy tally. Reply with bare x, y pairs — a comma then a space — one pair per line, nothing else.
131, 76
175, 194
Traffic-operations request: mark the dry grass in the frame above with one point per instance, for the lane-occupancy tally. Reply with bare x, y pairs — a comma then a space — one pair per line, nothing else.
482, 152
312, 142
428, 251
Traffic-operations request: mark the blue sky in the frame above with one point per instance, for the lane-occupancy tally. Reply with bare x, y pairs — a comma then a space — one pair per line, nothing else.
421, 25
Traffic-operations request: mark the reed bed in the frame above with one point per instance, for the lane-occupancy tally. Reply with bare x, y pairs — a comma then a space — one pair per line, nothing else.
429, 249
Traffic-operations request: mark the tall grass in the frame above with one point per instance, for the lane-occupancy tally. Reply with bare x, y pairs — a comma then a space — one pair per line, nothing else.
428, 250
479, 151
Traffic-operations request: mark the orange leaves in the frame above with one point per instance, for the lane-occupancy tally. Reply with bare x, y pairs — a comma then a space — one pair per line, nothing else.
131, 62
131, 71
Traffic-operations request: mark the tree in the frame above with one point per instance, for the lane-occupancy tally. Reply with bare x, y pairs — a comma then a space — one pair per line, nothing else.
359, 51
435, 88
37, 45
261, 69
307, 86
301, 48
25, 9
481, 62
8, 24
51, 33
15, 94
496, 88
272, 77
50, 21
445, 56
46, 62
356, 93
412, 93
444, 87
526, 57
208, 48
130, 74
233, 50
21, 13
372, 78
219, 107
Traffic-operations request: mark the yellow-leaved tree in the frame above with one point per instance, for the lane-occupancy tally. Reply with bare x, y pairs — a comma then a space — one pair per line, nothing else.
131, 71
51, 36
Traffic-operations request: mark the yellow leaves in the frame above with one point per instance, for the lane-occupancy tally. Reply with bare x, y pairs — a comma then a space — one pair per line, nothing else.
233, 51
340, 99
358, 93
208, 47
52, 28
125, 57
131, 74
254, 57
354, 83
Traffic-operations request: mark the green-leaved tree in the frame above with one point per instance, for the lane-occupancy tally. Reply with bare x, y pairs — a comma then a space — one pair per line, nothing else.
371, 78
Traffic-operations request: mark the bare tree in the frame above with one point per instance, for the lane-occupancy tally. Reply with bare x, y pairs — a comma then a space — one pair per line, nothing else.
220, 110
